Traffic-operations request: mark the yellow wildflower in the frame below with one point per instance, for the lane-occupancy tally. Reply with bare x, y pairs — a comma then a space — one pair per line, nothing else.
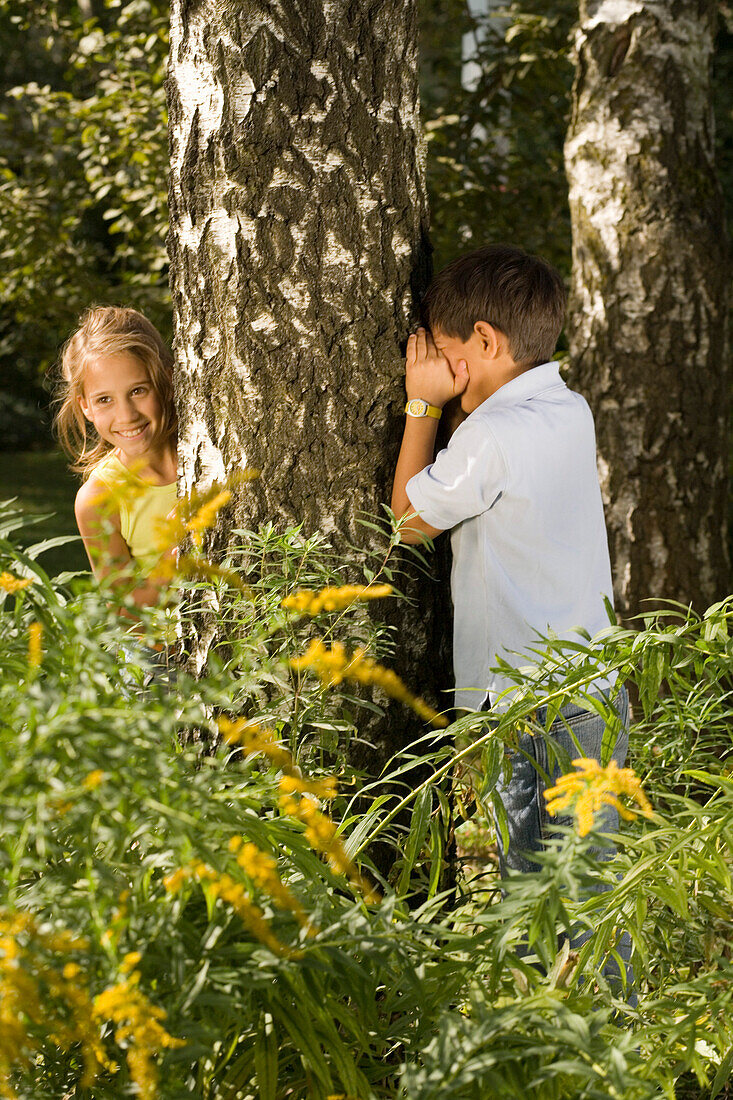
322, 834
262, 869
175, 881
228, 889
331, 666
325, 788
125, 491
205, 516
11, 584
197, 513
36, 998
254, 739
35, 645
307, 602
93, 780
130, 961
592, 787
193, 516
138, 1029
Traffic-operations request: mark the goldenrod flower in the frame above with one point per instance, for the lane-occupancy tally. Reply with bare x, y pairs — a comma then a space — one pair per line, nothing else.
325, 788
37, 998
93, 780
331, 666
205, 516
35, 645
307, 602
11, 584
320, 830
174, 882
592, 787
138, 1029
130, 961
228, 889
322, 835
254, 739
262, 869
197, 513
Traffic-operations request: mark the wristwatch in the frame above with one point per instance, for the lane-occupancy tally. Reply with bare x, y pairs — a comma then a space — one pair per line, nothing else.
418, 407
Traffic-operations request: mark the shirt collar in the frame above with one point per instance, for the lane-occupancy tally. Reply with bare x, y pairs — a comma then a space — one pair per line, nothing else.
528, 384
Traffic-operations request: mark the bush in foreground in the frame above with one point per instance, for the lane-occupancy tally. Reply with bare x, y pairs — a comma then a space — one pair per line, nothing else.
188, 903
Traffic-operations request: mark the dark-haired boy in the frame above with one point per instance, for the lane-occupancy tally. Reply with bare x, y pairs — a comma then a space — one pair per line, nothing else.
518, 487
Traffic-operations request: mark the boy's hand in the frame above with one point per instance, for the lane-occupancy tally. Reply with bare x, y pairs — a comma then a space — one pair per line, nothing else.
428, 373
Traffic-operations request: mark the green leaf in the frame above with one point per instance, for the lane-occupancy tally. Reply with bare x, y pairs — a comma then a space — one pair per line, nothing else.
265, 1054
416, 836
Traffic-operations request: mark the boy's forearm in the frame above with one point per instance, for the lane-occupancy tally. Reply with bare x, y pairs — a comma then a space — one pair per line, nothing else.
417, 452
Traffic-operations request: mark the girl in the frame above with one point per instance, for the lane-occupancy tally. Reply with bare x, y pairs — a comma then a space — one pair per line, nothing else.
117, 421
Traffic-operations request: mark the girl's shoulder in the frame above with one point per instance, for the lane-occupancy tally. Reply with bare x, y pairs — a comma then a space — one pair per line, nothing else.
105, 488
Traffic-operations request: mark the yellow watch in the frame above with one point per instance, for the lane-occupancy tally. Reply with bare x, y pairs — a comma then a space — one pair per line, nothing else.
418, 407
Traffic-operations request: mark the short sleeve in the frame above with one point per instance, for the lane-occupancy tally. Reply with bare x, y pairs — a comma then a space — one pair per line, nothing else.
466, 478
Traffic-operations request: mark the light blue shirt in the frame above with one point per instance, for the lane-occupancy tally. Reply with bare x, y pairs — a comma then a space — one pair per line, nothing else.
518, 487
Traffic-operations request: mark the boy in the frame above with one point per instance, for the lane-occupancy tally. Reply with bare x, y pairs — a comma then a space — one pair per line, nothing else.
518, 487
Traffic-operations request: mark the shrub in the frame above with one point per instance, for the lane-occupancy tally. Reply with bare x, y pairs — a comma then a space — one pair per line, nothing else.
188, 903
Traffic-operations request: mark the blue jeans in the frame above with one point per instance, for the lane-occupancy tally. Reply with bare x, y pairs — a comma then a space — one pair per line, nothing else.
578, 732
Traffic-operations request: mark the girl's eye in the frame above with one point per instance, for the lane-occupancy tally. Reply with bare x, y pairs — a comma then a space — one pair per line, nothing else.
140, 389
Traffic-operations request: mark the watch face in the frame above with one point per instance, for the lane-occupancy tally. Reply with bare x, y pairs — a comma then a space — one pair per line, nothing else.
418, 407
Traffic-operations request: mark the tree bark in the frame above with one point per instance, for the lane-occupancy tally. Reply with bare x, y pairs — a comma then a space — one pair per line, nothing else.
648, 302
298, 250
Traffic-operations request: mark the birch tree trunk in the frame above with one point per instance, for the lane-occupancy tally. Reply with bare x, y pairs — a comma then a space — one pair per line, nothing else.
648, 292
298, 248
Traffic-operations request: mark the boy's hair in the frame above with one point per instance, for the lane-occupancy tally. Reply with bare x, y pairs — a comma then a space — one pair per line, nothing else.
521, 295
104, 331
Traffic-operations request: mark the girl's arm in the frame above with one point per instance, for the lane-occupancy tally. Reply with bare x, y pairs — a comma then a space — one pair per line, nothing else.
108, 553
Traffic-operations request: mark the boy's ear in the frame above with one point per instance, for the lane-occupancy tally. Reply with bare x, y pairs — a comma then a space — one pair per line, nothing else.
489, 339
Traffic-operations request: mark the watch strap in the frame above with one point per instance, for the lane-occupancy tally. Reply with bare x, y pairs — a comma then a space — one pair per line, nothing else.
416, 406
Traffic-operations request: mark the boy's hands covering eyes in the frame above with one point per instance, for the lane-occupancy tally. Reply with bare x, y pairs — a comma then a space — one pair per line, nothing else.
428, 374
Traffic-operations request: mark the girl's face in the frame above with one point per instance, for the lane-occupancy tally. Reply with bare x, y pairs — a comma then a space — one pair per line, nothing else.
120, 401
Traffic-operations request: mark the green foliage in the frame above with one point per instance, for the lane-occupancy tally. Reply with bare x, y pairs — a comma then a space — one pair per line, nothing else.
83, 174
495, 140
110, 793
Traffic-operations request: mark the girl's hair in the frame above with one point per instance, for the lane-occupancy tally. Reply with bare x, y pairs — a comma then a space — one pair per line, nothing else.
105, 331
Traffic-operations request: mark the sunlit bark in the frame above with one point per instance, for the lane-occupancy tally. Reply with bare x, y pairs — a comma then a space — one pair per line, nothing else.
298, 249
649, 288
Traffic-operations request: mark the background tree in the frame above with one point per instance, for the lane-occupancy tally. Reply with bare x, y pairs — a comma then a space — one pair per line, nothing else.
298, 249
647, 332
495, 136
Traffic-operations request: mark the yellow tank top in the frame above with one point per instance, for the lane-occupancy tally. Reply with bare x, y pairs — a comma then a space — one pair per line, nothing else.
141, 506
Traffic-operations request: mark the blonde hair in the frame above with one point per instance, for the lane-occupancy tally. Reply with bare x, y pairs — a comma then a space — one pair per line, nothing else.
105, 331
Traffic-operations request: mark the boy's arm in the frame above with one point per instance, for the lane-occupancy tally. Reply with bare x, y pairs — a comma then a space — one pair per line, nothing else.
416, 452
428, 376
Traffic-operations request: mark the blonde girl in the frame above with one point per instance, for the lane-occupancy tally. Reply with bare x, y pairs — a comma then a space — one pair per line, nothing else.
116, 419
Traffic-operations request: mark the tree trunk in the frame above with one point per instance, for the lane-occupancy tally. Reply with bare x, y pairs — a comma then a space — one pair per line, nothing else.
647, 334
298, 249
